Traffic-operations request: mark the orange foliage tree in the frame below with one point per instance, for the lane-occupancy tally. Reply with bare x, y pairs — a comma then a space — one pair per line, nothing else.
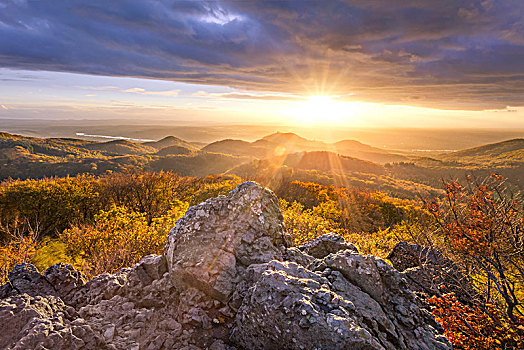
471, 327
483, 225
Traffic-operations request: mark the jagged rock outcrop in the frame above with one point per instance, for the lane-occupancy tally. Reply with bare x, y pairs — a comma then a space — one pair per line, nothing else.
429, 272
38, 322
326, 244
65, 281
25, 278
227, 280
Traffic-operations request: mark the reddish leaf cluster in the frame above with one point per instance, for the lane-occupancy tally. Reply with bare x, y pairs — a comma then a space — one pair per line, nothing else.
473, 327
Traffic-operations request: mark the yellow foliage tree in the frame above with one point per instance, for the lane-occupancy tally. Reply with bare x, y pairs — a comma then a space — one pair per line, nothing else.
119, 238
303, 225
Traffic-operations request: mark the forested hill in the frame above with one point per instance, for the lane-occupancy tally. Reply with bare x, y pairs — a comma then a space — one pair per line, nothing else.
266, 160
510, 151
29, 157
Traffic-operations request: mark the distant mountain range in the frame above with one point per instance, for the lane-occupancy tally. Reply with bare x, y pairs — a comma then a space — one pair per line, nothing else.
264, 160
278, 144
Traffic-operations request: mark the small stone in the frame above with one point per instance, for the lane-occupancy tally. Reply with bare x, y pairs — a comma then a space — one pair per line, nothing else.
109, 332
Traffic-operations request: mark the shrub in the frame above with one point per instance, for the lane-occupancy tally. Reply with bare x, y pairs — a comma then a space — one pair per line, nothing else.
19, 249
50, 251
51, 205
303, 225
119, 238
381, 242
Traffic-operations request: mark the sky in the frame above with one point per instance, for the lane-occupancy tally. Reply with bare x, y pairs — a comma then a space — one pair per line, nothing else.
365, 63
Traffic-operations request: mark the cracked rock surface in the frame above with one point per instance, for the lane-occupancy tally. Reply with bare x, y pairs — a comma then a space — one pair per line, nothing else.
227, 280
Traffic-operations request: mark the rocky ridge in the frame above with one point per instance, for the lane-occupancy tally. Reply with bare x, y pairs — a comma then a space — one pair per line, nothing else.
228, 279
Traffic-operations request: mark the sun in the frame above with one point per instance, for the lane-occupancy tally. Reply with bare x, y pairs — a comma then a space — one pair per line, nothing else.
319, 110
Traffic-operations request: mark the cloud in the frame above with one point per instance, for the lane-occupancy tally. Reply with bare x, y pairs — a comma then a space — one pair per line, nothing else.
509, 109
99, 88
122, 103
158, 93
135, 90
248, 96
451, 54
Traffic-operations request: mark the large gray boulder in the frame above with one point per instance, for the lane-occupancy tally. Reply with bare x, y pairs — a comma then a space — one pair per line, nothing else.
290, 307
210, 247
227, 280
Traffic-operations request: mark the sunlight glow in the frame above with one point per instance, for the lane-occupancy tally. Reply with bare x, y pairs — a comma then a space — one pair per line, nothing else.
322, 110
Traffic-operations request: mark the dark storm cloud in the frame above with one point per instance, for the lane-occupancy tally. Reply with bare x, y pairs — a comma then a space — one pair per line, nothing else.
450, 53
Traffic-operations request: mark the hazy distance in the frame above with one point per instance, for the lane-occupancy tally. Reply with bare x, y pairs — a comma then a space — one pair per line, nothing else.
404, 139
